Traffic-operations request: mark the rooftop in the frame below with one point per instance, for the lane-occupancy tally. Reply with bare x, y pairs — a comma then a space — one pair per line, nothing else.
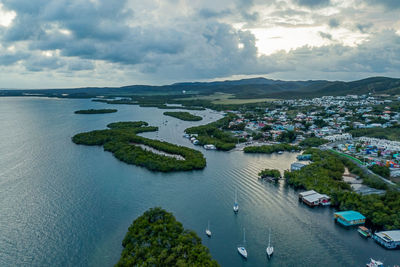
393, 235
350, 215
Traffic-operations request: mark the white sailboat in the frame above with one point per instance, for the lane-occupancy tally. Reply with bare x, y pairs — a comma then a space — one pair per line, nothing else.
235, 205
270, 249
208, 231
241, 249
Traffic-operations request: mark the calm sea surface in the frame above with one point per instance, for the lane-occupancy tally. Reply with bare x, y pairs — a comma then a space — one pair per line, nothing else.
67, 205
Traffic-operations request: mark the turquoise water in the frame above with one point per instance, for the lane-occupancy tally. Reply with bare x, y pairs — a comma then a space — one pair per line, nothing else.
67, 205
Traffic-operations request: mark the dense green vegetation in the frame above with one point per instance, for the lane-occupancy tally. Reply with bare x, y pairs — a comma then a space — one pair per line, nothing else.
240, 89
213, 133
157, 239
269, 149
324, 175
287, 137
391, 133
368, 179
95, 111
122, 140
313, 142
270, 173
185, 116
380, 170
147, 102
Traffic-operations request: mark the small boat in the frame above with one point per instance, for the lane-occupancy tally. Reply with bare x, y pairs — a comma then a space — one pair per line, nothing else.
364, 231
270, 249
375, 263
208, 231
235, 204
242, 249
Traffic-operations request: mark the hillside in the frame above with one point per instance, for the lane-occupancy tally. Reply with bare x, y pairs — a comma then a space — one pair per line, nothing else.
245, 88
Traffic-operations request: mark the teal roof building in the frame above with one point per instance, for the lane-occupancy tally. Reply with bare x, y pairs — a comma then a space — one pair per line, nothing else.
349, 218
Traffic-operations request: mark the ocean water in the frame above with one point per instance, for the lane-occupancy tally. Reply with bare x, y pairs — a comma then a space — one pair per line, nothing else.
63, 204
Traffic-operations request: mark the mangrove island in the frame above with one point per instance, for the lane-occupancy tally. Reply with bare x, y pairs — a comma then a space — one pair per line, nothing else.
95, 111
122, 140
185, 116
157, 239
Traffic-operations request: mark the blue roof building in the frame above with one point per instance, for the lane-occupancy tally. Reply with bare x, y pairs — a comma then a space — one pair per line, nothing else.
349, 218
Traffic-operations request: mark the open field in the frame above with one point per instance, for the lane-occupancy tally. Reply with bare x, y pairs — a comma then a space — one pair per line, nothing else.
227, 99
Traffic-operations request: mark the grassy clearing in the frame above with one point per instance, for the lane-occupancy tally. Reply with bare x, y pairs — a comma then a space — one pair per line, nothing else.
227, 99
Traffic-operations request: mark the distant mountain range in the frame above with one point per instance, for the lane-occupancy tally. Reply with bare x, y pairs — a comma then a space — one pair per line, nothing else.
245, 88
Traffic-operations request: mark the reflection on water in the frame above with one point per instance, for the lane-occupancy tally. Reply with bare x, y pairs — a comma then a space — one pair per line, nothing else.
70, 205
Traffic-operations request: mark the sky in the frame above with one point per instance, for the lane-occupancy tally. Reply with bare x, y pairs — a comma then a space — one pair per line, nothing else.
77, 43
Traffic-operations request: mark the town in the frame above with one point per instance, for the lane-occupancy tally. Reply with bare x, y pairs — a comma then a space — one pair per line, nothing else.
349, 125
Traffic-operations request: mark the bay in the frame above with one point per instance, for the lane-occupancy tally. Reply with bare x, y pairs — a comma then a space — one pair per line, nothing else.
63, 204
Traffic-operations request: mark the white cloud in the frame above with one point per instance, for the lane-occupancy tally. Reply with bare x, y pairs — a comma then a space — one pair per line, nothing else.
107, 43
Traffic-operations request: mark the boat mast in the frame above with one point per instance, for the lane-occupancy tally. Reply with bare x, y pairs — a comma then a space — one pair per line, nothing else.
235, 196
269, 238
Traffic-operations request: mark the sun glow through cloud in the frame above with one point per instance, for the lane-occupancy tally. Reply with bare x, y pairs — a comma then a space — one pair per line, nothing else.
6, 17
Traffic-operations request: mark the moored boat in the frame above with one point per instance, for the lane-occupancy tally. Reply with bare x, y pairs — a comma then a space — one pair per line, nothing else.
241, 248
364, 231
235, 204
208, 231
375, 263
270, 249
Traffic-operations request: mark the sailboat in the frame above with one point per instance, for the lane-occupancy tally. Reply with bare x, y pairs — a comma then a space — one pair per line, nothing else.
208, 231
270, 249
235, 205
241, 249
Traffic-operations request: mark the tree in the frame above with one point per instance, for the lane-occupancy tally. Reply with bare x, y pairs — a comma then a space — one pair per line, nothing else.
157, 239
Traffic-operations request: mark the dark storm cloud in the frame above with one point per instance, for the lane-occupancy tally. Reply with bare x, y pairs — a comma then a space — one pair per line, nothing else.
180, 40
11, 58
364, 27
86, 30
325, 35
313, 3
390, 4
333, 23
209, 13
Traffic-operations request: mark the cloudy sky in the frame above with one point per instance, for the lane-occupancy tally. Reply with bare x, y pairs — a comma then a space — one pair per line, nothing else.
71, 43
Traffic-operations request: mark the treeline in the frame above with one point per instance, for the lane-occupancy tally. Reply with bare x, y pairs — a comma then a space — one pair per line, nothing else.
390, 133
381, 170
325, 175
95, 111
313, 142
122, 139
185, 116
273, 173
269, 149
213, 133
157, 239
142, 101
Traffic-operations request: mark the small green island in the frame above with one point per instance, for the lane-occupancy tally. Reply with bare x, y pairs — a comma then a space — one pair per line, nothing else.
270, 174
157, 239
96, 111
185, 116
122, 140
269, 149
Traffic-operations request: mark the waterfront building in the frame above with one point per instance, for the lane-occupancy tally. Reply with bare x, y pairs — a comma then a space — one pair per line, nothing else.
349, 218
388, 239
296, 166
